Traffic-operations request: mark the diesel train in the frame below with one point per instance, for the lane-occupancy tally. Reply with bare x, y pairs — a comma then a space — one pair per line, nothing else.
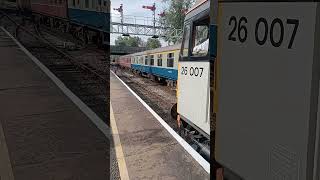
85, 19
188, 66
194, 85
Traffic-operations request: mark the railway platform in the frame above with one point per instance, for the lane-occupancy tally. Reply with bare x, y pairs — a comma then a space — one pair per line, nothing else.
45, 131
147, 147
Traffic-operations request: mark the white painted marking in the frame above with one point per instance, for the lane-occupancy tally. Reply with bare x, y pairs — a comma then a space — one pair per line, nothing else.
205, 164
124, 175
104, 128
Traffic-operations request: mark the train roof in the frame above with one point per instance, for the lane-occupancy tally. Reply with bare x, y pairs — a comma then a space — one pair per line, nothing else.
164, 49
157, 50
198, 7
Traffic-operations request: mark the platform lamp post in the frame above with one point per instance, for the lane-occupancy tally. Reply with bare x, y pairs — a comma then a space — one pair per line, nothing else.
153, 9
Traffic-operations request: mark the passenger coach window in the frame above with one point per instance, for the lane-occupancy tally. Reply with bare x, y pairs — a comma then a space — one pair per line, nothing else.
152, 60
159, 59
146, 60
185, 44
200, 38
87, 3
170, 60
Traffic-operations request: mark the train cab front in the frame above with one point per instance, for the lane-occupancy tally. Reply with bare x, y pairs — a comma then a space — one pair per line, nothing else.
193, 87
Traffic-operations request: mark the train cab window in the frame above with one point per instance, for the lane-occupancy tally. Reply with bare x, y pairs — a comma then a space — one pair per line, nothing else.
159, 59
185, 43
170, 60
151, 60
200, 37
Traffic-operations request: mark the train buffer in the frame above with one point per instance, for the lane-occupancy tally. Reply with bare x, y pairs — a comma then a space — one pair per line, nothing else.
146, 148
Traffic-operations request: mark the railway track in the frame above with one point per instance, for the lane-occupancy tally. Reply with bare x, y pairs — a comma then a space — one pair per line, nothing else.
83, 79
87, 80
162, 106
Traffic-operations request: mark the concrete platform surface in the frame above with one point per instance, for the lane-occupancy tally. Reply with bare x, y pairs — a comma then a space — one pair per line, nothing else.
43, 134
149, 150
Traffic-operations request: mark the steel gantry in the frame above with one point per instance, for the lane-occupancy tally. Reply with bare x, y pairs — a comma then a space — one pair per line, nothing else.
137, 25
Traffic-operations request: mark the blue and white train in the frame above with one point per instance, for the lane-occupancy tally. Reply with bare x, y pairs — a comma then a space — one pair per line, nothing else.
160, 63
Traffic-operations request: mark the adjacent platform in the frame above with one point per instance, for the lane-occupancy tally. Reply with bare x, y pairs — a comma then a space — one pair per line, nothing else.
43, 133
149, 150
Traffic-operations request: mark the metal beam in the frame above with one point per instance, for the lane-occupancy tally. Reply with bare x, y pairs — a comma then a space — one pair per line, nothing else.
133, 25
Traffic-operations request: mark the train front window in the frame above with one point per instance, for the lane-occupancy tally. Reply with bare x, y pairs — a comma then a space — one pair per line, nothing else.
185, 44
200, 37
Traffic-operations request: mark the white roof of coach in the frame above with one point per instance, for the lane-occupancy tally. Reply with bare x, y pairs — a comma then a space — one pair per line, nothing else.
157, 50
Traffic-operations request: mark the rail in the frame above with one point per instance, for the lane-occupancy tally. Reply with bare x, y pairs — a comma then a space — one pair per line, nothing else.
39, 37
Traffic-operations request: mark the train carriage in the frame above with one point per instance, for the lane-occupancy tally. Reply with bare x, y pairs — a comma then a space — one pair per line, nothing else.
56, 8
92, 13
164, 62
160, 63
85, 19
124, 61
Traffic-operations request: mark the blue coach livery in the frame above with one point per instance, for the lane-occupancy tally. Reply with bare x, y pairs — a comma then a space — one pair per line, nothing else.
160, 62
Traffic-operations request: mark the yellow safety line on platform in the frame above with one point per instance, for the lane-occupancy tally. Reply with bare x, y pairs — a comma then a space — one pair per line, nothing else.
118, 148
5, 164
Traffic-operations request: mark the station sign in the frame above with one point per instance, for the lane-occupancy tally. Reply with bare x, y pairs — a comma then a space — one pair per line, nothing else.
268, 89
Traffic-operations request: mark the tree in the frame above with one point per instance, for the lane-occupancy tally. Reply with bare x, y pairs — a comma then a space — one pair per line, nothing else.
153, 43
174, 15
129, 41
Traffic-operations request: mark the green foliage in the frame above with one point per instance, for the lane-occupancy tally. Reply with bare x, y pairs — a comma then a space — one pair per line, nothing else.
174, 16
129, 41
153, 43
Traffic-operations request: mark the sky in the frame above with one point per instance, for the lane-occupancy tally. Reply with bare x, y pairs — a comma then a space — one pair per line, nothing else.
134, 8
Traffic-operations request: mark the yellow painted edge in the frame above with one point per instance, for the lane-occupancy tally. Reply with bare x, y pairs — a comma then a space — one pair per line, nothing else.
124, 175
177, 84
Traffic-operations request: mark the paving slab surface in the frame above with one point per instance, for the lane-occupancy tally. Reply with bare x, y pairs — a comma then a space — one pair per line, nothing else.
149, 149
43, 134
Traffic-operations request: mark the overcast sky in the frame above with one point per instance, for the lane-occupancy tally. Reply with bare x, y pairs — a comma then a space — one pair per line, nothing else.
134, 8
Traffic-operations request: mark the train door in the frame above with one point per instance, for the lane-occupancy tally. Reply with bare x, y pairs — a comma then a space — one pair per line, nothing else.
194, 75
